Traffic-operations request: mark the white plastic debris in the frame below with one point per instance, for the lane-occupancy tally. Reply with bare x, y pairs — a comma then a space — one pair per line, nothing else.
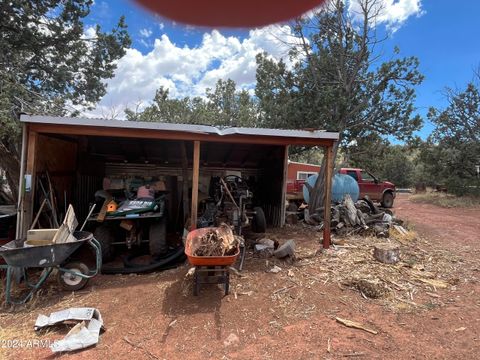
81, 335
275, 269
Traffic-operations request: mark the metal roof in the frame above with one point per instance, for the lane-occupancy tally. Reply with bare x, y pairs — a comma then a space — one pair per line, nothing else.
187, 128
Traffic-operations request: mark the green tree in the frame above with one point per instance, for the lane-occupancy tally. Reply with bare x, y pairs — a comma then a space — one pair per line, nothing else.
224, 106
49, 66
163, 109
338, 82
395, 163
453, 150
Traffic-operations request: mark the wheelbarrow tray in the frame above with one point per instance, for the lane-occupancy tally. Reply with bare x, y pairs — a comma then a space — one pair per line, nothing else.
192, 243
42, 256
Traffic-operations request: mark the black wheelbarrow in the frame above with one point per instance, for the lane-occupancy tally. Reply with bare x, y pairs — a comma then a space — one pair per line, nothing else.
71, 275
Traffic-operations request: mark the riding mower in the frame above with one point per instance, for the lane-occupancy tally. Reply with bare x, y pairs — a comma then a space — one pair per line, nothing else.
231, 201
137, 220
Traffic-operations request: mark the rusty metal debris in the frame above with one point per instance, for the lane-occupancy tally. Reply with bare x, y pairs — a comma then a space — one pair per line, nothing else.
362, 217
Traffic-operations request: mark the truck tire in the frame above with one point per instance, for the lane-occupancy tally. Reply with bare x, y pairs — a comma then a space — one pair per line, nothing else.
105, 237
71, 282
387, 200
157, 237
259, 222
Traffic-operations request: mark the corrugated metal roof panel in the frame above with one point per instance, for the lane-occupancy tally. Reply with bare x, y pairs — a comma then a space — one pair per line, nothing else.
188, 128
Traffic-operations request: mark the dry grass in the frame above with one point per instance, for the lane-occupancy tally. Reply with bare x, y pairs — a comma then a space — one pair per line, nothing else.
420, 271
420, 281
446, 200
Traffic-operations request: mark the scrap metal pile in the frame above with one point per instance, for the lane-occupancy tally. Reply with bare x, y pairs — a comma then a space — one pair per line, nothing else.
218, 241
362, 217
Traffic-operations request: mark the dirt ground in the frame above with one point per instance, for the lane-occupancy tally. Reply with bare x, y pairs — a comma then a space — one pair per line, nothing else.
287, 315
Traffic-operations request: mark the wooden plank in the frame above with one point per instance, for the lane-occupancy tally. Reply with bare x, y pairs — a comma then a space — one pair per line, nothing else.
284, 186
31, 169
176, 135
38, 214
195, 178
183, 148
41, 234
328, 196
21, 193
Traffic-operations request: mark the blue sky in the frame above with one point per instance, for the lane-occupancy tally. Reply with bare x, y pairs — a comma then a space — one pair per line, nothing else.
443, 34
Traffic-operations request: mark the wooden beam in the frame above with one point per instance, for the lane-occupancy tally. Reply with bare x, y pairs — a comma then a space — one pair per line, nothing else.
284, 186
183, 151
327, 196
195, 179
21, 193
175, 135
30, 170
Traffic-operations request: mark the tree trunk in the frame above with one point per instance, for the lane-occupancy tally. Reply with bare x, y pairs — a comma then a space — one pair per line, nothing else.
317, 194
10, 163
387, 253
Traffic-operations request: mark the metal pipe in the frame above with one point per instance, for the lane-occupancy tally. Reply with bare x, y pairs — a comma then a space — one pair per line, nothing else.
18, 230
89, 214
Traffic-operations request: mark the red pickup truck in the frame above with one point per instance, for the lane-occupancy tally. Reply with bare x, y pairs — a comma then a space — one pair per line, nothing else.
382, 191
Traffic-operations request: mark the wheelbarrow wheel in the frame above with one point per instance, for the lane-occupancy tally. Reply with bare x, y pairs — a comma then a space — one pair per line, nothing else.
72, 282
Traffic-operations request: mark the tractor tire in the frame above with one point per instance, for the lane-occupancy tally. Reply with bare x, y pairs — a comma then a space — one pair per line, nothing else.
259, 222
387, 200
157, 238
105, 237
71, 282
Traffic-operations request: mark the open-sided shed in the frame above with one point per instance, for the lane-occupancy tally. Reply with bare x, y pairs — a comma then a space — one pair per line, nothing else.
79, 152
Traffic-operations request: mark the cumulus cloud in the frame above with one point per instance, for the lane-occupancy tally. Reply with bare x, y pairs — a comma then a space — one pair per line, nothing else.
190, 70
392, 13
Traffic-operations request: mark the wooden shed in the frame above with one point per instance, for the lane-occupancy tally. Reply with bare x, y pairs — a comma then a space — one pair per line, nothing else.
78, 153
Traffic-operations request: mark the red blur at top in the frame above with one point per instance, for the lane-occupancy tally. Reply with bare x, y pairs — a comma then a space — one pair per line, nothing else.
230, 13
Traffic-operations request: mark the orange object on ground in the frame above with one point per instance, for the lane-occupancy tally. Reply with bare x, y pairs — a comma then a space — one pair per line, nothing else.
230, 13
191, 244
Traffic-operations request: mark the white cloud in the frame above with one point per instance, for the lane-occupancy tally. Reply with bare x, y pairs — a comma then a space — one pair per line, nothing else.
146, 33
90, 33
189, 70
392, 13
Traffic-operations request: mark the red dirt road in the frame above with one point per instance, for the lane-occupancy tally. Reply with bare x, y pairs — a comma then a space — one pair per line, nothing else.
453, 228
156, 317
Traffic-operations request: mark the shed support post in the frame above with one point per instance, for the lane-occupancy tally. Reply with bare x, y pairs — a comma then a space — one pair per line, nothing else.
21, 193
195, 179
327, 196
284, 187
29, 197
183, 150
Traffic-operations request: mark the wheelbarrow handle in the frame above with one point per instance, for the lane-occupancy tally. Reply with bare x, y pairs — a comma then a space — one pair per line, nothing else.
98, 261
98, 255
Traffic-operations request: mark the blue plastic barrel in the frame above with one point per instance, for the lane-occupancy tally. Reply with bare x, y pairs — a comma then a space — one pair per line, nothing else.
342, 184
